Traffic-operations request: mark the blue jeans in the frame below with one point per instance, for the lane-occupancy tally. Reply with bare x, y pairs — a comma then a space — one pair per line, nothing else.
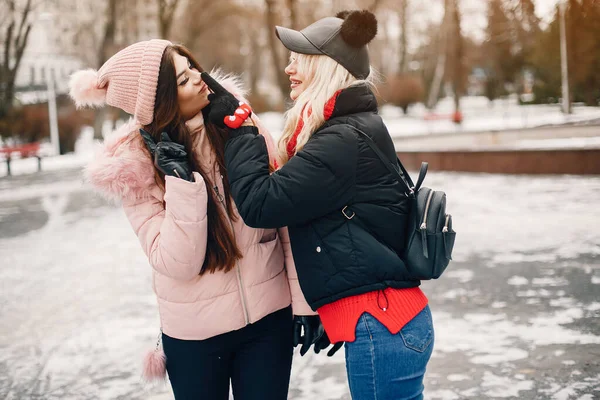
382, 366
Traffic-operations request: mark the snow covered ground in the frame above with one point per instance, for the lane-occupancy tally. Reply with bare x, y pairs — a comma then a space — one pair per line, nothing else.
516, 315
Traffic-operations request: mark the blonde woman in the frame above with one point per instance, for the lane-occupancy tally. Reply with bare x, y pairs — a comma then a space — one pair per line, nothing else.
346, 214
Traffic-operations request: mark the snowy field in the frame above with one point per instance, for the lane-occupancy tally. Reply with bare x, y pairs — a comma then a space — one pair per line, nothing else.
516, 315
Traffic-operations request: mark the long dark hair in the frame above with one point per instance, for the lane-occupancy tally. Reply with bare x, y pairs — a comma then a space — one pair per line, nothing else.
222, 252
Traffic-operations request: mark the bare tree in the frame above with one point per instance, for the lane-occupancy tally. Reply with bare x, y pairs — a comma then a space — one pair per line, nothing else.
107, 47
277, 61
166, 12
434, 90
293, 15
108, 37
403, 59
206, 16
15, 35
455, 70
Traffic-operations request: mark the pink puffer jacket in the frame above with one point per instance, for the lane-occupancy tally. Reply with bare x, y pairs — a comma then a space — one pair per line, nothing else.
173, 236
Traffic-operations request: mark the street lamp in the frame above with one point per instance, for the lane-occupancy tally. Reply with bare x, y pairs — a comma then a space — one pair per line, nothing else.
566, 103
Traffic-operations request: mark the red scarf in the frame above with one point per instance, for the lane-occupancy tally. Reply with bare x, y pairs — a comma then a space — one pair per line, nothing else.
327, 111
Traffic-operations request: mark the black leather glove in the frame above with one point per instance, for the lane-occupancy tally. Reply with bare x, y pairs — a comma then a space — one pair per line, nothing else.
224, 109
324, 342
313, 329
169, 157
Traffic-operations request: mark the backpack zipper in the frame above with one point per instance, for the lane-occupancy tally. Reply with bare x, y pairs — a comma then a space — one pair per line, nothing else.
424, 224
237, 265
423, 227
445, 228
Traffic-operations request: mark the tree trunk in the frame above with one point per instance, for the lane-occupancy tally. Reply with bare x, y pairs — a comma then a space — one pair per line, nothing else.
293, 15
441, 62
255, 63
282, 81
457, 68
106, 47
6, 101
403, 62
14, 47
99, 117
166, 13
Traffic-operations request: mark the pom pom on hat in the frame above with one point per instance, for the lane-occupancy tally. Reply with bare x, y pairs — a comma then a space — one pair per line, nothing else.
358, 28
84, 89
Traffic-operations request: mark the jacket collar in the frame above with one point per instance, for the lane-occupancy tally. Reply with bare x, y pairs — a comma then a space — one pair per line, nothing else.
354, 99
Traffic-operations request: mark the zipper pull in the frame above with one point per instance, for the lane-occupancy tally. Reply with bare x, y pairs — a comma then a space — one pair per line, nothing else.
445, 228
424, 240
444, 232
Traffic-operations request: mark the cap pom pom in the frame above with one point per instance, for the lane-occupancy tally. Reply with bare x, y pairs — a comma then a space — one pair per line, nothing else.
84, 89
358, 28
155, 365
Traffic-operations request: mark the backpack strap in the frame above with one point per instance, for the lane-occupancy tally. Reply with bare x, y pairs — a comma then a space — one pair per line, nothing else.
402, 175
422, 174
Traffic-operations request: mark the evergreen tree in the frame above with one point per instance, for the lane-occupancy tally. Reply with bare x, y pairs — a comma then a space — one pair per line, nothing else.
583, 49
498, 50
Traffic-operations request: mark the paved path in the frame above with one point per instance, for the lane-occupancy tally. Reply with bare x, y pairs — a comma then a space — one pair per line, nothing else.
516, 315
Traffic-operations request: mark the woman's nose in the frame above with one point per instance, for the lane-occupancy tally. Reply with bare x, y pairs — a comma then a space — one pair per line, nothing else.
197, 78
290, 69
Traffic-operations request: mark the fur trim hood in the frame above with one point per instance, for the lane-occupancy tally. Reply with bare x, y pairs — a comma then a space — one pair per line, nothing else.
122, 168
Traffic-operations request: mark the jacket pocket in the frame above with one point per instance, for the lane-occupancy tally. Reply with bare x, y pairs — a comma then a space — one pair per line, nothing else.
417, 334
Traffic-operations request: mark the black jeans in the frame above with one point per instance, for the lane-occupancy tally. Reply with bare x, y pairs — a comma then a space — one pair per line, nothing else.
257, 359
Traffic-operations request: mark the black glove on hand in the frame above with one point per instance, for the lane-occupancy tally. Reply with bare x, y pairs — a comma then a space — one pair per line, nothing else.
169, 157
312, 331
224, 109
324, 342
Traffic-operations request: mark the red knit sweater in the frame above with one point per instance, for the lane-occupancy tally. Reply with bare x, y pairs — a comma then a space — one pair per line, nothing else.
394, 308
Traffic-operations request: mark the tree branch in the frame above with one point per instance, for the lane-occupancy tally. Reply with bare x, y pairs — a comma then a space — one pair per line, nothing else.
21, 49
7, 45
22, 23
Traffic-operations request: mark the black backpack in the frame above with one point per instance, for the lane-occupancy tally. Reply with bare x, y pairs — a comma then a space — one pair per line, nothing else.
430, 237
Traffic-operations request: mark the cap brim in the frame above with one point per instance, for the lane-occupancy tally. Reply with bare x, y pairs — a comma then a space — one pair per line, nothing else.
296, 41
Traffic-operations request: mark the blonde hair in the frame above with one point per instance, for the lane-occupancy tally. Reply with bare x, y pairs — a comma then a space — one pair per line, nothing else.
325, 76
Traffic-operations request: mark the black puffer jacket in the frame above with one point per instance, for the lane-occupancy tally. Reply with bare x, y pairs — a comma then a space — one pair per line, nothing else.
335, 256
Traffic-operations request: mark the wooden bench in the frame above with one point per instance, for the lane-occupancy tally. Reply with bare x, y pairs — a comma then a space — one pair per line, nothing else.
21, 151
455, 117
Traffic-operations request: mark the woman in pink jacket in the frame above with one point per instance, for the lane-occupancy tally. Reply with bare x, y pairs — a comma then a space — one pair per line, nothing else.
223, 290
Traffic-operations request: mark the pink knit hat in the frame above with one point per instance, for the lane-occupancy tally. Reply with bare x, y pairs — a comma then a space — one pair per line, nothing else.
128, 80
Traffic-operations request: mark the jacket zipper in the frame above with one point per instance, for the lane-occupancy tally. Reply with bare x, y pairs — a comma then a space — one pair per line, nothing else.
237, 265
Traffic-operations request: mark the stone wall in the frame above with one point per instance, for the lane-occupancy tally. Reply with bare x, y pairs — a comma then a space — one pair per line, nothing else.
574, 161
